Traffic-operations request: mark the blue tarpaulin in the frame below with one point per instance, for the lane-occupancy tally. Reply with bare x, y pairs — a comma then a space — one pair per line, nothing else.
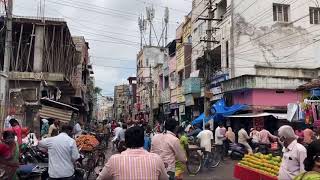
219, 111
200, 118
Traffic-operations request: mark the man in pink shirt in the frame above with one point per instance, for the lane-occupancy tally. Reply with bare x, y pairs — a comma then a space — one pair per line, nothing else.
135, 163
167, 145
265, 136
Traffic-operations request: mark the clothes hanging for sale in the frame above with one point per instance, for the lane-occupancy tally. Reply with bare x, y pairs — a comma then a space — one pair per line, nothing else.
318, 111
302, 114
314, 111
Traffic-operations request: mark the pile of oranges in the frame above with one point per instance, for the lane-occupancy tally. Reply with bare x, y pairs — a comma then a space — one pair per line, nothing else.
87, 142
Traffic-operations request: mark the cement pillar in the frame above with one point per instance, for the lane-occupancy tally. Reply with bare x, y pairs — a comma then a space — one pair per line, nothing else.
38, 49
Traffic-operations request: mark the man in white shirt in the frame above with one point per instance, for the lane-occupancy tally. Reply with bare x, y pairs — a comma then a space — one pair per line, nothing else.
294, 154
243, 138
219, 137
206, 136
63, 153
6, 121
77, 131
116, 132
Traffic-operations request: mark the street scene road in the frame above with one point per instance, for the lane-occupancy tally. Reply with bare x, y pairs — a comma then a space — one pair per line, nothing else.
159, 90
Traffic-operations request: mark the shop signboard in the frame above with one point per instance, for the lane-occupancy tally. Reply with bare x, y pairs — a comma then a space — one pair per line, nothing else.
189, 100
174, 106
215, 84
182, 109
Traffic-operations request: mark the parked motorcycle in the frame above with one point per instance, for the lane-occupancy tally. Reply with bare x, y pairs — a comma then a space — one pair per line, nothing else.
33, 172
32, 154
237, 151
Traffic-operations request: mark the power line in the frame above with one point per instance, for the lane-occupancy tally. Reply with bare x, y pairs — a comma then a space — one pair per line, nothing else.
111, 42
111, 58
122, 16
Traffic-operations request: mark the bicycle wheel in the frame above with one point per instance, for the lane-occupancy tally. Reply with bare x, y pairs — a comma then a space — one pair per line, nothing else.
194, 162
89, 168
215, 159
101, 159
99, 163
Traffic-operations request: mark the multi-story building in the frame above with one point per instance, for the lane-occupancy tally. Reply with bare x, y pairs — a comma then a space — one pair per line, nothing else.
121, 102
262, 51
133, 96
105, 108
183, 65
148, 59
80, 78
168, 69
42, 70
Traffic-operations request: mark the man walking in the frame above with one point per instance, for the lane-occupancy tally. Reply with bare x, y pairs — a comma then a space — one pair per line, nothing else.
135, 163
294, 154
243, 138
167, 145
63, 153
206, 136
219, 137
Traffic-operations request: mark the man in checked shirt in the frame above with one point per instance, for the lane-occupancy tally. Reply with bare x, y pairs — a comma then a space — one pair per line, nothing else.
135, 163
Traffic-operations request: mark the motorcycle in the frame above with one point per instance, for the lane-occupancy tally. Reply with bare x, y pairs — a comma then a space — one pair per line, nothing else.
33, 172
32, 154
237, 151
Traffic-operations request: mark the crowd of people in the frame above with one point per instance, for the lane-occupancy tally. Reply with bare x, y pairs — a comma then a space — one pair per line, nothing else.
159, 152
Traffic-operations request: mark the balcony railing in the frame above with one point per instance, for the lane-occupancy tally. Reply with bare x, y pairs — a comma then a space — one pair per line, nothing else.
165, 96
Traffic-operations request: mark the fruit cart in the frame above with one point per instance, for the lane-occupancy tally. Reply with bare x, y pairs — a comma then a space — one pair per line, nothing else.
246, 173
258, 167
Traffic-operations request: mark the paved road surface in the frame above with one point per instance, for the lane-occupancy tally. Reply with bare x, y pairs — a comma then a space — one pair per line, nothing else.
223, 172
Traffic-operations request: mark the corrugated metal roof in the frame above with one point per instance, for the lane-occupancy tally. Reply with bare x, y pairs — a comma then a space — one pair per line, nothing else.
55, 113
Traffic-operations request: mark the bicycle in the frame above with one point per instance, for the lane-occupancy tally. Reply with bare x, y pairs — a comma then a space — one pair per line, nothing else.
100, 159
92, 161
199, 158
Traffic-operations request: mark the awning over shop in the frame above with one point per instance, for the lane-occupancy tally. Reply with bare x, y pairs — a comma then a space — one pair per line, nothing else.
251, 115
56, 104
219, 111
55, 113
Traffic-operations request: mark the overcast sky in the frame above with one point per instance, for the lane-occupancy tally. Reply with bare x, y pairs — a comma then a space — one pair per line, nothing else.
111, 28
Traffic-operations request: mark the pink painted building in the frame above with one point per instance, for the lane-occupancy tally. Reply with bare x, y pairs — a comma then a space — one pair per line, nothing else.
266, 97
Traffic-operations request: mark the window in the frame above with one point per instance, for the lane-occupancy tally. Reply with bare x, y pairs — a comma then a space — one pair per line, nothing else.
166, 82
189, 39
200, 30
172, 80
314, 15
180, 74
227, 54
221, 8
147, 62
281, 12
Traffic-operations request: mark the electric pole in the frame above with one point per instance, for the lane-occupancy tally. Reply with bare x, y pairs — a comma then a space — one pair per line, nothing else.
151, 99
208, 59
7, 58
